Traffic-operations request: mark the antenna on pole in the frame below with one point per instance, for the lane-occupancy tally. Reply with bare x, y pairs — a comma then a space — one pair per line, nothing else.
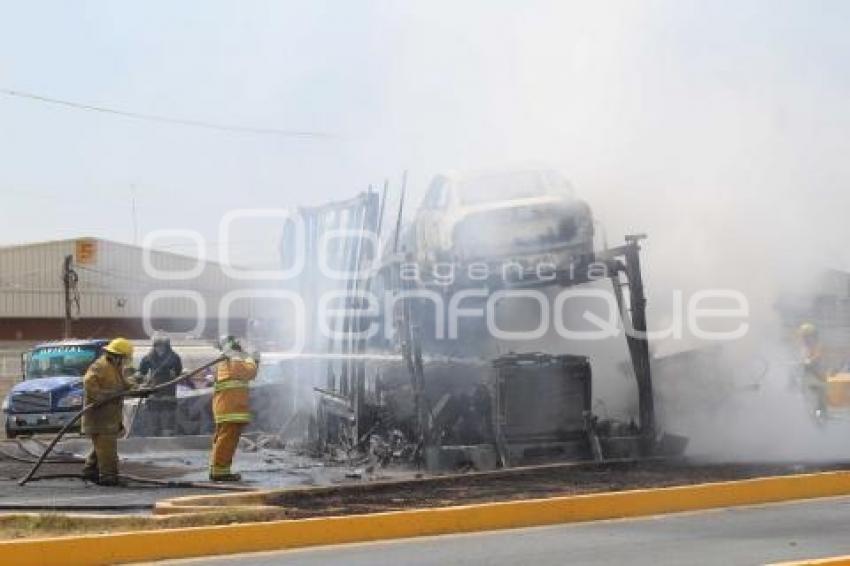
135, 215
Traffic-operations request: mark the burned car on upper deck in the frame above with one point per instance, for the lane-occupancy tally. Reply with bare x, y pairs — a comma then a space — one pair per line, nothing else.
522, 218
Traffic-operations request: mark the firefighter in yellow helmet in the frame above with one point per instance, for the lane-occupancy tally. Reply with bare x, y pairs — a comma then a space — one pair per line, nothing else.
105, 377
231, 407
814, 370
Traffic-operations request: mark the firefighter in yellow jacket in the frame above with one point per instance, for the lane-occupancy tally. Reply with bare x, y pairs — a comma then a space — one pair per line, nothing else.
231, 407
815, 370
104, 378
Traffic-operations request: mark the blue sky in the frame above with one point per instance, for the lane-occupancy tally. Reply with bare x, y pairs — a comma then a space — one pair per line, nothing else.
699, 122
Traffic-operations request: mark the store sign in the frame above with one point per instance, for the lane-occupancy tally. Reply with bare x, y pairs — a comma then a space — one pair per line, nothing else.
86, 252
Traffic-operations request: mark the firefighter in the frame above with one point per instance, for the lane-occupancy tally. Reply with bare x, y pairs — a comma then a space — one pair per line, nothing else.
814, 371
231, 407
105, 377
162, 364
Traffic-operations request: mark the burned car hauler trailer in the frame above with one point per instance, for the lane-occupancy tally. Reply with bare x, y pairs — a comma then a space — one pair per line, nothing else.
398, 394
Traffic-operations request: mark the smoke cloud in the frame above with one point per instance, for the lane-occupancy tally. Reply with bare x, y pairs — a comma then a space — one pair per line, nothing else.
718, 129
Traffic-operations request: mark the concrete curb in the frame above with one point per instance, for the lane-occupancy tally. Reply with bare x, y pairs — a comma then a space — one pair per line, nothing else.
142, 546
831, 561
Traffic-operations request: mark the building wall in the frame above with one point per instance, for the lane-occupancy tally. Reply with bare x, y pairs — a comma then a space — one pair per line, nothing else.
16, 329
113, 285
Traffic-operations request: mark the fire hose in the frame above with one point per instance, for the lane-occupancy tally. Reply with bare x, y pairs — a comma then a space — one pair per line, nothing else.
107, 399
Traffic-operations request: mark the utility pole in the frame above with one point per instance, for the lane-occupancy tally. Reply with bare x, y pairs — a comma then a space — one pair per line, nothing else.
72, 295
67, 276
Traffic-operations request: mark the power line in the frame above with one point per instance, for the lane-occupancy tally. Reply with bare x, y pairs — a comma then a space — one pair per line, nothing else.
165, 119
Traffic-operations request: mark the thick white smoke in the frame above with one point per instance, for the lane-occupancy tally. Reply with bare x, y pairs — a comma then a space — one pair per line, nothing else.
719, 129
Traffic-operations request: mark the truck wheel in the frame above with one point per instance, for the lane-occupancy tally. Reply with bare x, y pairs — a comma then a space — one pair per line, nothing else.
11, 433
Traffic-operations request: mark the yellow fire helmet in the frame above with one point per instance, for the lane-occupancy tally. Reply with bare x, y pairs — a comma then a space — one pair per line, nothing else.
120, 347
807, 329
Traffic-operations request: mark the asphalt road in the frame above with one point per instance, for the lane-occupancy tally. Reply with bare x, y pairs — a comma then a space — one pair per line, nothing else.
74, 495
749, 535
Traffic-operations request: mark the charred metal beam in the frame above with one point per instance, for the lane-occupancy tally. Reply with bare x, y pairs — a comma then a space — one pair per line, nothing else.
638, 342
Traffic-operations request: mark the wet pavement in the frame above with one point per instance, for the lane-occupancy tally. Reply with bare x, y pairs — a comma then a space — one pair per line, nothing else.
179, 459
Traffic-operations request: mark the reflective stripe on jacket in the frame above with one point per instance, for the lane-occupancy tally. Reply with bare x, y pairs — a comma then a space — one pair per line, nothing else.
231, 397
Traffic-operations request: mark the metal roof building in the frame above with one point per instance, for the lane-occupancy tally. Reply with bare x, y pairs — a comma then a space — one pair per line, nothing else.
116, 289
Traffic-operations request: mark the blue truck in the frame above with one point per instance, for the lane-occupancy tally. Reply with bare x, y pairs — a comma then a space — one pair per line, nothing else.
51, 391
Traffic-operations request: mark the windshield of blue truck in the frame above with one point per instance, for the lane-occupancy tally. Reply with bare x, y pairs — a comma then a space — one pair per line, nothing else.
60, 361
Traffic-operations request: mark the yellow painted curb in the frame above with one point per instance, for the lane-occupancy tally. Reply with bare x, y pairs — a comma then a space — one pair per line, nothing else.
275, 535
214, 503
831, 561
